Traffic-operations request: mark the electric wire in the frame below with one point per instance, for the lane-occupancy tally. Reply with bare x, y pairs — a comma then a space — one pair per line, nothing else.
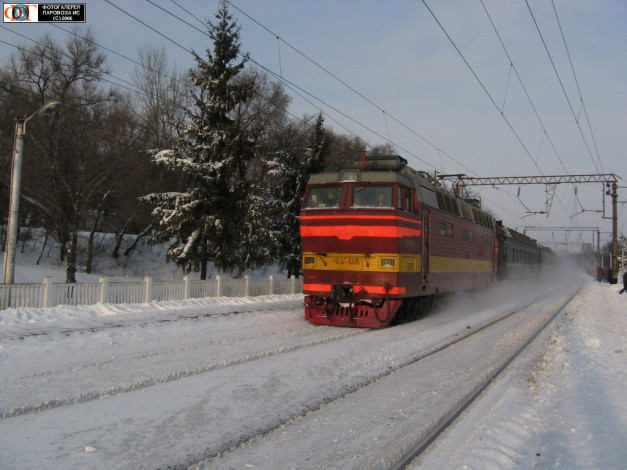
481, 84
134, 88
351, 88
531, 103
446, 33
572, 67
524, 88
293, 87
301, 90
561, 83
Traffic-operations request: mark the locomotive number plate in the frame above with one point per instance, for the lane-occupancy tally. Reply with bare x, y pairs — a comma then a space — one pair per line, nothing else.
346, 261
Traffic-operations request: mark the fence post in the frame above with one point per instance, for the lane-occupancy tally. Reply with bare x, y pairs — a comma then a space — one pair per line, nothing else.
46, 299
148, 289
185, 287
218, 286
4, 289
247, 292
271, 284
104, 287
293, 278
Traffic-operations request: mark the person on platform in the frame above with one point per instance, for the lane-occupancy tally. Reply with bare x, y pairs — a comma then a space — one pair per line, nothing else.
624, 282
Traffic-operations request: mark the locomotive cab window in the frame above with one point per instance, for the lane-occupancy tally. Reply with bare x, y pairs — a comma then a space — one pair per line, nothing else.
372, 196
326, 197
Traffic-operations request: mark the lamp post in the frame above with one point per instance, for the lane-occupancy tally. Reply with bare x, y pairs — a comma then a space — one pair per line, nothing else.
16, 180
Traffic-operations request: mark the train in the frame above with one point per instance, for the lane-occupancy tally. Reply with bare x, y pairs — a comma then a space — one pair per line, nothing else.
380, 241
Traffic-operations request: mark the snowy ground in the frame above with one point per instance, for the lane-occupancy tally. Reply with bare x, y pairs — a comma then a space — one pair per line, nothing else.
562, 405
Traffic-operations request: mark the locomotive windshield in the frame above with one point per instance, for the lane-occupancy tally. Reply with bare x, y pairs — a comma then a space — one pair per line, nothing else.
328, 196
372, 196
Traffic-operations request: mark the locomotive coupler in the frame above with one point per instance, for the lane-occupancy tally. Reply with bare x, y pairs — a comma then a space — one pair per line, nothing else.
342, 293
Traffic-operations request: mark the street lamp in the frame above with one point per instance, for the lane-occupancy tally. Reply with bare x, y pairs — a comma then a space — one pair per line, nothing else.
16, 180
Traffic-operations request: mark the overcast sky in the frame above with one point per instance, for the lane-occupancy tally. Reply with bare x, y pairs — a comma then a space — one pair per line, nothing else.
480, 87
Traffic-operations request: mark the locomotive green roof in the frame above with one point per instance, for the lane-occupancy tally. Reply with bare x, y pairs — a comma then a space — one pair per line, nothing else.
384, 169
394, 169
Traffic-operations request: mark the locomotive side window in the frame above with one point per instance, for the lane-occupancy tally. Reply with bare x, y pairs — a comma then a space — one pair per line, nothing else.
372, 196
324, 197
404, 197
428, 197
407, 198
466, 210
447, 203
446, 229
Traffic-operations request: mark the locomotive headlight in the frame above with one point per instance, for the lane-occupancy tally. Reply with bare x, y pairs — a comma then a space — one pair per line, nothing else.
388, 262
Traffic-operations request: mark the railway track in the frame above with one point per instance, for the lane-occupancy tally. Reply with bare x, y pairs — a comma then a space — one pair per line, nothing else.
448, 419
82, 381
103, 324
235, 392
400, 423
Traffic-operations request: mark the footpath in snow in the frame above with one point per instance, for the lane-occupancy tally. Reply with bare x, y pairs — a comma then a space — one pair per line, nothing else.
562, 406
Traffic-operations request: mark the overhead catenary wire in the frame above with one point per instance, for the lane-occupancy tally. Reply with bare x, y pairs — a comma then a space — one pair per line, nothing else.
487, 92
561, 83
513, 67
291, 86
301, 90
438, 149
351, 88
130, 86
318, 103
572, 67
481, 84
524, 88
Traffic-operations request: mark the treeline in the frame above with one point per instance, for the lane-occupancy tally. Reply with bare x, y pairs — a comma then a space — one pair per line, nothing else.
209, 160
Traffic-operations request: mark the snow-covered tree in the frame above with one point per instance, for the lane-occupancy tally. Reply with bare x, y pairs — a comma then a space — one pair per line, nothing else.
300, 151
206, 221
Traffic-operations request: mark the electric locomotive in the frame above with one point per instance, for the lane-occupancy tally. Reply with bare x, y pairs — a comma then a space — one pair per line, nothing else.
381, 239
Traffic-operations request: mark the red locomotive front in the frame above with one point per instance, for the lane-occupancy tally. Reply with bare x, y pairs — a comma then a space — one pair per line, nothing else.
368, 250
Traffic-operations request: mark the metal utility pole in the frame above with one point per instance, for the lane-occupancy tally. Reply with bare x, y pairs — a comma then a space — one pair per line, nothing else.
16, 181
610, 180
614, 278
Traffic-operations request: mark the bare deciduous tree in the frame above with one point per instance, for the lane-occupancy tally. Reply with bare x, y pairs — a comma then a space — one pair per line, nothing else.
69, 161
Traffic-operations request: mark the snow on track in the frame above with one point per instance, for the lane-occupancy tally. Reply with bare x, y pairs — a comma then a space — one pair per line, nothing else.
211, 380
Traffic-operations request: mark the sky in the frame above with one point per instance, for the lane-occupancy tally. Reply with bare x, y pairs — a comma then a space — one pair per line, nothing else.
480, 87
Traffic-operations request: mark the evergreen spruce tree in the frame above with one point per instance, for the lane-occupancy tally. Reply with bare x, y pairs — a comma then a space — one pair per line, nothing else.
206, 221
290, 168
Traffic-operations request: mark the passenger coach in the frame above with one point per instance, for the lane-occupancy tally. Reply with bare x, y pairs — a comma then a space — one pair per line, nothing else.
381, 239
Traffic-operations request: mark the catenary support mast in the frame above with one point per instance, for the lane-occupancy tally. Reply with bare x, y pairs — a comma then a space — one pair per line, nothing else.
610, 180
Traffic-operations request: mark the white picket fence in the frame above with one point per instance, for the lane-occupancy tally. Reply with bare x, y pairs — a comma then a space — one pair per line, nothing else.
49, 294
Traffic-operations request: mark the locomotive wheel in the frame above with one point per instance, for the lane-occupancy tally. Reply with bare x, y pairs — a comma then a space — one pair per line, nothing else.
412, 309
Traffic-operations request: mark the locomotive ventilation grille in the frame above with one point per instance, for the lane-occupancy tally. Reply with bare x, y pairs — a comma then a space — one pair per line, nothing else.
353, 312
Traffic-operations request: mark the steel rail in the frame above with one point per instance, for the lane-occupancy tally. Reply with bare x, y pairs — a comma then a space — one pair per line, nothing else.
409, 361
447, 420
